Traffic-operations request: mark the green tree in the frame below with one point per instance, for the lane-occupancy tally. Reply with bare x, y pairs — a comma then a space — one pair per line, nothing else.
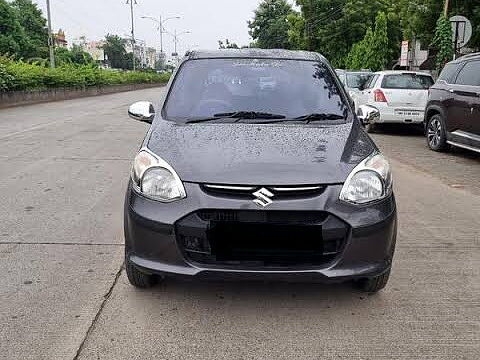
34, 25
12, 35
6, 79
81, 57
114, 48
296, 31
332, 27
75, 55
379, 51
442, 41
372, 52
419, 18
357, 57
127, 63
269, 27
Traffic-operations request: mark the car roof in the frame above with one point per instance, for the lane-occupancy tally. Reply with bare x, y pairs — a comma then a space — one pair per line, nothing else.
396, 72
366, 71
473, 56
252, 53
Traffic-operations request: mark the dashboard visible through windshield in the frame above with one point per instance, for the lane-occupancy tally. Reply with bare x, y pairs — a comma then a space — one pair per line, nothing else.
288, 89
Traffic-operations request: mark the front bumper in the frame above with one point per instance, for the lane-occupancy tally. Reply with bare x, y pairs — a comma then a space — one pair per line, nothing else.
152, 244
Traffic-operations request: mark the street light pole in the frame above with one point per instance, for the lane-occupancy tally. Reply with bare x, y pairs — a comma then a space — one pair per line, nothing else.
133, 30
160, 24
161, 28
175, 41
51, 41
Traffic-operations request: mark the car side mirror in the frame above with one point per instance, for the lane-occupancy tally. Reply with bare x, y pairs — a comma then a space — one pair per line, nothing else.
142, 111
368, 114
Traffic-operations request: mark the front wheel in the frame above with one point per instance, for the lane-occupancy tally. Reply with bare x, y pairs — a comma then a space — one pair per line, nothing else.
137, 278
437, 133
374, 284
371, 128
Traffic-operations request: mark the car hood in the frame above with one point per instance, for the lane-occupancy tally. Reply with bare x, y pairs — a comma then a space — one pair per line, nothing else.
253, 154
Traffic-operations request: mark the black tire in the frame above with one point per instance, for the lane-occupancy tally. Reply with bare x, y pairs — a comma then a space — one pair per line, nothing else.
371, 128
374, 284
137, 278
436, 133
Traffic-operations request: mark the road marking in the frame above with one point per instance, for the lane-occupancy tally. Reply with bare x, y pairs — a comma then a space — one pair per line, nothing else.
31, 129
57, 243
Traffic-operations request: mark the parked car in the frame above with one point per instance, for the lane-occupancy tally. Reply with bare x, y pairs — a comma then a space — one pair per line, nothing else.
271, 181
353, 81
399, 96
453, 110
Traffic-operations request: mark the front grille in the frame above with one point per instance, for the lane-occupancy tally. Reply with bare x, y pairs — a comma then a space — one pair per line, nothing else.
246, 238
279, 192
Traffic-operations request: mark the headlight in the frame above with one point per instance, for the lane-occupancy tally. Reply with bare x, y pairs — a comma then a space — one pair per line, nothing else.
371, 180
155, 178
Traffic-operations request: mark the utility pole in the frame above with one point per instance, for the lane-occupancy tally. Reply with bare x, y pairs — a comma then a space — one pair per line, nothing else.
161, 33
175, 40
133, 2
51, 40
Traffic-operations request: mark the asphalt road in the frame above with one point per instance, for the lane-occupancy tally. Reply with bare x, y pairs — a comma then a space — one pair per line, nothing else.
64, 295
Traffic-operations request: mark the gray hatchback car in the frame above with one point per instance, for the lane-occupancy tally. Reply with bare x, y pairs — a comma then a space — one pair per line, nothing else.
255, 166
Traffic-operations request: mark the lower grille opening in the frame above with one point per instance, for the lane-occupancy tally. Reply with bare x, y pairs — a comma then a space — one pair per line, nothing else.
269, 244
252, 239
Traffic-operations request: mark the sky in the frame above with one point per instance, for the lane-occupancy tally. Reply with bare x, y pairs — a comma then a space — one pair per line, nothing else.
208, 20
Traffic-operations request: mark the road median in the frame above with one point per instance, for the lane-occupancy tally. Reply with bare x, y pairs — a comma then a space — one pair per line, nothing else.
28, 97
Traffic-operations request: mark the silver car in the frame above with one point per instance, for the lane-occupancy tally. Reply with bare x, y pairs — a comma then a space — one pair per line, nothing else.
354, 80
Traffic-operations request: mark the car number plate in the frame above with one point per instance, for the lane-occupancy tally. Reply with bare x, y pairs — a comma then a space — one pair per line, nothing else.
408, 112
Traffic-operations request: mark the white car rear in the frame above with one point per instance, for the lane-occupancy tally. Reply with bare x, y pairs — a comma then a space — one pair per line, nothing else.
400, 96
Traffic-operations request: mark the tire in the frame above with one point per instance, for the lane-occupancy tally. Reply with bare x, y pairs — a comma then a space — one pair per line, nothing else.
371, 128
436, 133
374, 284
137, 278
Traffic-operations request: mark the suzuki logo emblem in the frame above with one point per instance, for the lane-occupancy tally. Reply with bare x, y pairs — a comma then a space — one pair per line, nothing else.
263, 197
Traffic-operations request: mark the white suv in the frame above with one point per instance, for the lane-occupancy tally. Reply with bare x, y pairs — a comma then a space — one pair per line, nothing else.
399, 96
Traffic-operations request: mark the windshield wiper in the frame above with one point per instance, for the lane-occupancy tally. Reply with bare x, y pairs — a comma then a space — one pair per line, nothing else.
200, 120
309, 118
319, 117
238, 115
249, 115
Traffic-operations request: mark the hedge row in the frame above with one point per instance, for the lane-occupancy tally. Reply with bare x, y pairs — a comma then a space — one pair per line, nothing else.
18, 75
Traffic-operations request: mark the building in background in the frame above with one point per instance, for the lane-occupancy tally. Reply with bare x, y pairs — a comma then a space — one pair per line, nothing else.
60, 40
94, 48
413, 57
146, 56
150, 57
161, 60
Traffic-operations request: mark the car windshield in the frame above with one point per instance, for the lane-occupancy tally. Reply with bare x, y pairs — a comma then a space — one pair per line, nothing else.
357, 80
407, 81
289, 88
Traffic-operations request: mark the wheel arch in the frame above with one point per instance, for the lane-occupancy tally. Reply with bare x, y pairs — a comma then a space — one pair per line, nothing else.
431, 111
